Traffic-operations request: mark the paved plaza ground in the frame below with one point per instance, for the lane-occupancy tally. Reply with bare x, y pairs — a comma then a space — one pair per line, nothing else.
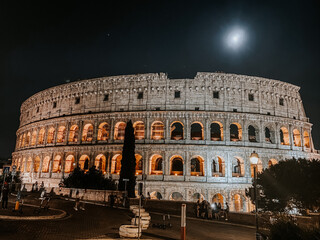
101, 222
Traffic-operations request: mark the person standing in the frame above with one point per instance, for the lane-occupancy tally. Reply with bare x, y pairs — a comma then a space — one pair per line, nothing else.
82, 203
227, 211
77, 201
5, 193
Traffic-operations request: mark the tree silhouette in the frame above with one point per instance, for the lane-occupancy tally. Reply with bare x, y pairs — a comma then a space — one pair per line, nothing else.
128, 162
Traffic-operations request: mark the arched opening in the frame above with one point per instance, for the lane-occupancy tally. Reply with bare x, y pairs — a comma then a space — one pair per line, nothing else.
157, 130
23, 140
138, 130
56, 165
238, 203
155, 195
103, 132
176, 166
284, 136
87, 133
197, 131
116, 164
119, 131
100, 162
28, 139
272, 162
252, 133
218, 199
36, 164
267, 134
235, 132
216, 130
237, 167
69, 164
197, 166
73, 134
258, 169
45, 164
139, 164
176, 131
296, 138
156, 164
29, 164
176, 196
197, 196
20, 142
50, 136
61, 134
84, 162
306, 139
218, 167
41, 136
22, 167
34, 138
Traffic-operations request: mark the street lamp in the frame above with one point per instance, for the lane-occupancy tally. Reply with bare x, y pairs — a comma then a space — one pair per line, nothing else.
254, 158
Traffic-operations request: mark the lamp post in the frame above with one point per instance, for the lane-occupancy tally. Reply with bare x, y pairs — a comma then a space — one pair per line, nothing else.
254, 158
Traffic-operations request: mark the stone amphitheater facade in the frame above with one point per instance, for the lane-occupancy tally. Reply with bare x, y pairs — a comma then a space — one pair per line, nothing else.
194, 137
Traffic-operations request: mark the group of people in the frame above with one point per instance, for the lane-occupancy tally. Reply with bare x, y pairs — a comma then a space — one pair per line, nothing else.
209, 211
35, 187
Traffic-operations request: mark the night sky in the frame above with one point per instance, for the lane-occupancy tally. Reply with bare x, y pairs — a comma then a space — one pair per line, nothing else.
47, 44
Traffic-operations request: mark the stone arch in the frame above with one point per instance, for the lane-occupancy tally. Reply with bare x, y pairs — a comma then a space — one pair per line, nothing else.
23, 163
103, 132
36, 164
45, 164
156, 164
253, 133
34, 138
139, 164
23, 140
69, 164
138, 130
238, 167
56, 165
216, 131
119, 130
116, 164
176, 165
176, 131
176, 196
20, 142
218, 198
29, 164
87, 133
235, 132
238, 202
197, 131
269, 135
41, 136
296, 137
28, 137
284, 136
197, 196
50, 137
61, 134
157, 130
197, 166
272, 162
73, 134
306, 139
218, 167
155, 195
100, 162
84, 161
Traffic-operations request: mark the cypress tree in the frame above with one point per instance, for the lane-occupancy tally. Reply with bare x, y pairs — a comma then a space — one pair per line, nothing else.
128, 162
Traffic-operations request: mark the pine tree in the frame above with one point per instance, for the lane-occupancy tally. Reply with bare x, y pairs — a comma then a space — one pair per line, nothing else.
128, 162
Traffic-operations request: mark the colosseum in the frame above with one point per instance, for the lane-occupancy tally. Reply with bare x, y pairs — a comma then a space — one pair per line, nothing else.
194, 137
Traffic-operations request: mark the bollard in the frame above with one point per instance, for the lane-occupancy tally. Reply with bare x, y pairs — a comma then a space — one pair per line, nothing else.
183, 222
16, 207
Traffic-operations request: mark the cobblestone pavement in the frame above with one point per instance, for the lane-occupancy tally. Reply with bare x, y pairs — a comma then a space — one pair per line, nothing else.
100, 222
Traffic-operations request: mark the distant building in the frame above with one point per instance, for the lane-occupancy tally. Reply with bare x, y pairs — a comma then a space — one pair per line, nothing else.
194, 137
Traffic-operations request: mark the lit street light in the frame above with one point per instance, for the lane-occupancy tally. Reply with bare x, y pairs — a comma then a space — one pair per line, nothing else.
254, 158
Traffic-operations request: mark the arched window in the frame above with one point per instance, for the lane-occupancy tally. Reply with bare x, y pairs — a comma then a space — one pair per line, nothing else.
218, 198
56, 166
267, 135
138, 130
103, 132
237, 167
235, 132
73, 134
155, 195
22, 167
272, 162
196, 131
50, 136
61, 134
100, 162
87, 133
252, 134
41, 136
45, 164
238, 204
34, 138
84, 162
23, 140
306, 139
20, 142
119, 130
29, 164
176, 166
28, 139
69, 164
139, 164
36, 164
157, 130
116, 164
216, 130
176, 196
156, 164
296, 138
218, 167
284, 136
176, 131
197, 166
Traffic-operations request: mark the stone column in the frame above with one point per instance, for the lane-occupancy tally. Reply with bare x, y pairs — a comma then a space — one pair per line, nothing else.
55, 134
291, 136
206, 130
68, 125
111, 130
145, 169
147, 133
167, 129
50, 165
302, 139
187, 129
95, 131
226, 124
80, 132
186, 165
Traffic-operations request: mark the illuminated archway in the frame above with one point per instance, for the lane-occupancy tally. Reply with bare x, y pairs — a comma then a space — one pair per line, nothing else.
138, 130
119, 130
216, 131
61, 134
176, 131
296, 138
103, 132
73, 134
50, 136
197, 131
45, 164
235, 132
36, 164
156, 164
284, 136
69, 164
306, 139
87, 133
84, 162
197, 166
56, 165
139, 164
116, 164
157, 130
100, 162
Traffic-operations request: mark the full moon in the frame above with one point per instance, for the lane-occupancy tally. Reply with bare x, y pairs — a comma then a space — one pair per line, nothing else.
235, 38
